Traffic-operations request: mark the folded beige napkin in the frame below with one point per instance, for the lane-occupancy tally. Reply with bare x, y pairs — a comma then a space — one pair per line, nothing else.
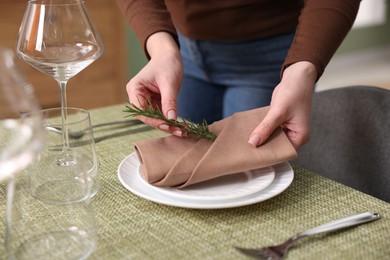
179, 162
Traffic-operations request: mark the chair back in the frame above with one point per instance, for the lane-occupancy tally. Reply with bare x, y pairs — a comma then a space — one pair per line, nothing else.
350, 138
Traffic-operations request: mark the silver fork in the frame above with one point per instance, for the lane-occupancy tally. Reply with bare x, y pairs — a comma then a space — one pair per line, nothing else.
280, 251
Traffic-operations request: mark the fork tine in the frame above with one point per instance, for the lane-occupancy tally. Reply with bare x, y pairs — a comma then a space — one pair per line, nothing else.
255, 253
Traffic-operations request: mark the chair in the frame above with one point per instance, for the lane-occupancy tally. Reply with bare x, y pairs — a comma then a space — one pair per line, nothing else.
350, 140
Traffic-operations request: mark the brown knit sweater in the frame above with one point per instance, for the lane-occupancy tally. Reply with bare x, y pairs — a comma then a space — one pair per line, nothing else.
320, 25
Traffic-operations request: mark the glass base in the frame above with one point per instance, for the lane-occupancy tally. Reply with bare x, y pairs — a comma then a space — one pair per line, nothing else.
57, 245
67, 159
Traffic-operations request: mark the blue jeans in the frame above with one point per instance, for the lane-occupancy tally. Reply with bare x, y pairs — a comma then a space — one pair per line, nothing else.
224, 77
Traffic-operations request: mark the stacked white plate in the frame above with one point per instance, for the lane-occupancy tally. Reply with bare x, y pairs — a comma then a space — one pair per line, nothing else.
229, 191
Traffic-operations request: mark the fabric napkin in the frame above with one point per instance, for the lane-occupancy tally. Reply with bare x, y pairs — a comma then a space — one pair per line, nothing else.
179, 162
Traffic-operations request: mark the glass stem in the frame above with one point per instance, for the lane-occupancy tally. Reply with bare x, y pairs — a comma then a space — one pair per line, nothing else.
62, 85
64, 115
67, 157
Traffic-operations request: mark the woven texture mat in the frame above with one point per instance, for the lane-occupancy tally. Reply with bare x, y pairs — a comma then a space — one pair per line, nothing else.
130, 227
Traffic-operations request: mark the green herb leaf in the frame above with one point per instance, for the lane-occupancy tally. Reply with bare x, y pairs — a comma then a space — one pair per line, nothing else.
200, 130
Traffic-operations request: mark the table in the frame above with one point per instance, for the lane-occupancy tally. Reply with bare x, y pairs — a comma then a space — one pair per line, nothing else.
130, 227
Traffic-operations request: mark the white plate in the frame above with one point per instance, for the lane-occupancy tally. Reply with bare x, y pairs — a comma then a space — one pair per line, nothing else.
222, 188
130, 178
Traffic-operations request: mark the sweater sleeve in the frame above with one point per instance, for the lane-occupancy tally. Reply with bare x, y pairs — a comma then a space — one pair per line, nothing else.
147, 17
322, 27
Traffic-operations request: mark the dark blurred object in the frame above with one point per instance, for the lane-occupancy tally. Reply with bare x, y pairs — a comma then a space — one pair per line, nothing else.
350, 139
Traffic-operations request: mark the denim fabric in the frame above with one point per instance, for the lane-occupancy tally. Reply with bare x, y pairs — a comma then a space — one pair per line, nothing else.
224, 77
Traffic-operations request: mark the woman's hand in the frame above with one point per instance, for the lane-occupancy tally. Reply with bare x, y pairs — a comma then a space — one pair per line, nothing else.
159, 81
290, 106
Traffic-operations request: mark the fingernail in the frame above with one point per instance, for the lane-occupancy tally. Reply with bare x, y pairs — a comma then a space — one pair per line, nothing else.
177, 133
254, 140
171, 115
163, 127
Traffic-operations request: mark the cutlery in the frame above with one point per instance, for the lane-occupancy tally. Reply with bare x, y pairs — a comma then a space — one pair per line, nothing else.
102, 138
280, 251
79, 134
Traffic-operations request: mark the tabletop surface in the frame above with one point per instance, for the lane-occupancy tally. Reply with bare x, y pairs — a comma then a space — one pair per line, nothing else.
130, 227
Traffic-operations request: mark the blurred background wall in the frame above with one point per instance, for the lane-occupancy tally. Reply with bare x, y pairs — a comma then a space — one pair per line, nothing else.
364, 56
100, 84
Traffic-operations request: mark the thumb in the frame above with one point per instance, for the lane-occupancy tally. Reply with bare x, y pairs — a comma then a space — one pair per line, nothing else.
169, 104
266, 127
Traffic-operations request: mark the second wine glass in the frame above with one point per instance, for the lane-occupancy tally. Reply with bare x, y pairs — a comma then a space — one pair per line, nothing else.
59, 38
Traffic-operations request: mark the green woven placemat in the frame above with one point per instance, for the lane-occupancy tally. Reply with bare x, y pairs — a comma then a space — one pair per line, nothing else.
130, 227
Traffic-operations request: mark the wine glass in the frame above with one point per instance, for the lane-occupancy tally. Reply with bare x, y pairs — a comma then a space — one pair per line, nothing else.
20, 138
59, 38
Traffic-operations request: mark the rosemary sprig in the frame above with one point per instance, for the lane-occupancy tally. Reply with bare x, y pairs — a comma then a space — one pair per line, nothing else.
200, 130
